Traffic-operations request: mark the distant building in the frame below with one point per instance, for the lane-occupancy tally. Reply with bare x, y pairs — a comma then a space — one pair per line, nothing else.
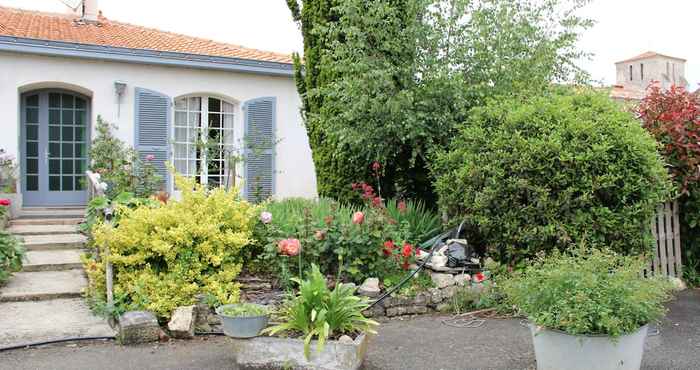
635, 74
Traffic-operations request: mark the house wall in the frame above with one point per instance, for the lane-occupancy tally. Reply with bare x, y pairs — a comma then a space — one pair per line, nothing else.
295, 176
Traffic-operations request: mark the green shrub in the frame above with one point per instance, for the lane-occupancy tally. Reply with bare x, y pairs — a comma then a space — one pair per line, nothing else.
164, 256
552, 171
11, 255
588, 291
318, 312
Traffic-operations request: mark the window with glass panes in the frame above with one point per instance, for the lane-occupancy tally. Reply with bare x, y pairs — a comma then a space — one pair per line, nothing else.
67, 142
204, 139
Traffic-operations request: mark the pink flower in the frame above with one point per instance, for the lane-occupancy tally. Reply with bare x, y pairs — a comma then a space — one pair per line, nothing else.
266, 217
5, 202
376, 201
402, 206
150, 157
358, 218
388, 247
376, 166
289, 247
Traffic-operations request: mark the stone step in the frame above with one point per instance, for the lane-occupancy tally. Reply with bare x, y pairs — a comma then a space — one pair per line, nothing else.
46, 221
43, 229
52, 213
29, 322
44, 285
57, 260
53, 242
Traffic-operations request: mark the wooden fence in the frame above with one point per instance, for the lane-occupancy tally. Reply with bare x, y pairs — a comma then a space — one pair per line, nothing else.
667, 233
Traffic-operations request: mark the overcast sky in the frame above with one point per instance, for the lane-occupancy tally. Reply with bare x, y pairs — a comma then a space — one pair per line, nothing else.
624, 28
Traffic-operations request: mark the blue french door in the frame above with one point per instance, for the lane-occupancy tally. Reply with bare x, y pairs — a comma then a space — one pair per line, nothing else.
55, 136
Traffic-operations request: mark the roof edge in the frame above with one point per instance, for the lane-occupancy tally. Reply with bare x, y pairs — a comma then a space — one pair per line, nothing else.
142, 56
655, 54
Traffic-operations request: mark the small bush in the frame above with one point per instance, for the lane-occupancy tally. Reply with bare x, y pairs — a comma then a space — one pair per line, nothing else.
244, 310
11, 255
552, 171
165, 255
588, 292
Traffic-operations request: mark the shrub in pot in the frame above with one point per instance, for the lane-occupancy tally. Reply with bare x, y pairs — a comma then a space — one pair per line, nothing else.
243, 320
588, 308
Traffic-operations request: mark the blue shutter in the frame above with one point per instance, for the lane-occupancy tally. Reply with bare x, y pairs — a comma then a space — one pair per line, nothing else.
152, 129
260, 124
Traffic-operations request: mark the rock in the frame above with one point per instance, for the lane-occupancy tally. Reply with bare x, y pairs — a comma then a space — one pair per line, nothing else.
677, 284
138, 327
449, 292
406, 310
375, 311
182, 323
435, 295
442, 280
397, 301
462, 279
213, 319
345, 340
422, 299
369, 288
443, 307
163, 337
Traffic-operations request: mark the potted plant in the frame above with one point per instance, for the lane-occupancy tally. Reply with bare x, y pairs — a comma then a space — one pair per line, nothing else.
243, 320
588, 308
316, 330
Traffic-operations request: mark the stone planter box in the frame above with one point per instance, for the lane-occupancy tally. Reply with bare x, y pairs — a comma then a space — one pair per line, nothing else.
288, 353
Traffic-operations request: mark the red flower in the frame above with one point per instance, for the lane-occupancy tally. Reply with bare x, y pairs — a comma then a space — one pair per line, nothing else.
407, 250
405, 265
479, 277
5, 202
388, 247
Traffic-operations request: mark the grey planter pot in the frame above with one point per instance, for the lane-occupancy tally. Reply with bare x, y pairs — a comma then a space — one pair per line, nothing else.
556, 350
288, 353
242, 327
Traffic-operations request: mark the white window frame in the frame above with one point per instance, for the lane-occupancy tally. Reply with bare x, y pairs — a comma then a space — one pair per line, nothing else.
235, 144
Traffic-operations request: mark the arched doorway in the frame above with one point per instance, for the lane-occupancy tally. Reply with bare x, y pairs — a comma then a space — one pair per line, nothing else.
54, 139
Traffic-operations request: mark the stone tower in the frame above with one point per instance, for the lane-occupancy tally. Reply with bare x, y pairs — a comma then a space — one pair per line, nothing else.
638, 72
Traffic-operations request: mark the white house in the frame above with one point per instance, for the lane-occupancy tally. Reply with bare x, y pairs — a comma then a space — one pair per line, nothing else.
163, 90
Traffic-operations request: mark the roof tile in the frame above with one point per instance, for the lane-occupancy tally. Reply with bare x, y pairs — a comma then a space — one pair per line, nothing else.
67, 28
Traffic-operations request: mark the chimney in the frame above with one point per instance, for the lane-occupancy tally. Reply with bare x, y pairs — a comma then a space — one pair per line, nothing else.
90, 11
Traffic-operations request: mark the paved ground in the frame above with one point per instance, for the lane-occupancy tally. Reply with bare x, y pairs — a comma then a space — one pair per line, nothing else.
421, 343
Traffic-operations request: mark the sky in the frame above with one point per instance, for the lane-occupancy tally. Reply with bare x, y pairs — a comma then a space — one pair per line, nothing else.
624, 28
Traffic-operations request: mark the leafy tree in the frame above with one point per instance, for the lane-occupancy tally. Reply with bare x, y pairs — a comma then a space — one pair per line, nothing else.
389, 80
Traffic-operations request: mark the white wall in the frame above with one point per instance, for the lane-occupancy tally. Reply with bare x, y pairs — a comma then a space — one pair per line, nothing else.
19, 73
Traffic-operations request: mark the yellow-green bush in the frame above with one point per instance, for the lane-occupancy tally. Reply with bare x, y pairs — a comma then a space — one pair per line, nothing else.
164, 256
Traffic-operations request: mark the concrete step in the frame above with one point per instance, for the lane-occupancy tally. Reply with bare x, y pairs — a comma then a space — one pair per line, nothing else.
46, 221
53, 242
44, 285
58, 260
52, 213
28, 322
43, 229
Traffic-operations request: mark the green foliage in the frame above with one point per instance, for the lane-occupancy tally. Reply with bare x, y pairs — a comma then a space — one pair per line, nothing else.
94, 212
11, 255
244, 310
389, 80
552, 171
588, 292
8, 171
164, 256
119, 166
320, 313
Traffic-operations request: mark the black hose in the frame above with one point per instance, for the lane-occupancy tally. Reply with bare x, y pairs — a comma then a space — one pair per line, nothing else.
435, 242
54, 341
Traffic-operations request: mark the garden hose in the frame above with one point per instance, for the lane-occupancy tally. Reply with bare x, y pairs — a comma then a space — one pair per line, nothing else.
434, 242
54, 341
